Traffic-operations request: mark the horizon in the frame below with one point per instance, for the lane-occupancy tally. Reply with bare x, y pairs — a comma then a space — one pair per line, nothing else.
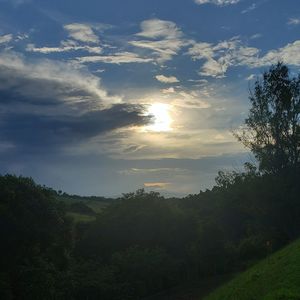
107, 98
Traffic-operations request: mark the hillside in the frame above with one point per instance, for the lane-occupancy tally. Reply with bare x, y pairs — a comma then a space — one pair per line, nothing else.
84, 209
275, 278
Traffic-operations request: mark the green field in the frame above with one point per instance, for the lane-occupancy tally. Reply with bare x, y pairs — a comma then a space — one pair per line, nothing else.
275, 278
82, 218
94, 204
97, 204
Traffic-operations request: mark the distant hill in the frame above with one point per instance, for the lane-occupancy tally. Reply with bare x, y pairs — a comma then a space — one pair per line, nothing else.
84, 208
275, 278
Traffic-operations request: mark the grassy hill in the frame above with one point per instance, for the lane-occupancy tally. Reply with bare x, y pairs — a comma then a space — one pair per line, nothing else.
93, 203
275, 278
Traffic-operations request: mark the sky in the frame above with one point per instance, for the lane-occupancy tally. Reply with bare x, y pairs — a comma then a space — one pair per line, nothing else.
107, 97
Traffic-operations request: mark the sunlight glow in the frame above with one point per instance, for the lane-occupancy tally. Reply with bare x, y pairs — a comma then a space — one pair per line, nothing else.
162, 119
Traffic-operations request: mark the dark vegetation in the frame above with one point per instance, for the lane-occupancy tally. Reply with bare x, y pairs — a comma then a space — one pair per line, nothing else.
142, 243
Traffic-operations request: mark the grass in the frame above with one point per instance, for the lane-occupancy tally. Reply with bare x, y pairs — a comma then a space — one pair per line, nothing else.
192, 290
96, 205
275, 278
81, 218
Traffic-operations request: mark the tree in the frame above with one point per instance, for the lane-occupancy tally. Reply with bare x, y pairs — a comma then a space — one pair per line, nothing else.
272, 129
36, 240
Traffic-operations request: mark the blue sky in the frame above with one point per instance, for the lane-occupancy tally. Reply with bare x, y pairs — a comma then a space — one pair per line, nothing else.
105, 97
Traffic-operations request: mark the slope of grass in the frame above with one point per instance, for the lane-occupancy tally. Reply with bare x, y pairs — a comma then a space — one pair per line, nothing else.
96, 205
275, 278
81, 218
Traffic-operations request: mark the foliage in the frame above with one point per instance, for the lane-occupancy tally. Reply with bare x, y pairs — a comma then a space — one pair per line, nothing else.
272, 129
35, 239
142, 243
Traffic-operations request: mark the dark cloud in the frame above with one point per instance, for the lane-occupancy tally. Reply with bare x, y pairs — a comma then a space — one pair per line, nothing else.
31, 132
46, 105
22, 85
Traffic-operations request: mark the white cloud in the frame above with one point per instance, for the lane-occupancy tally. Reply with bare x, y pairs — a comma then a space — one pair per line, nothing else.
5, 38
116, 58
160, 40
294, 21
219, 57
190, 99
163, 39
156, 185
170, 90
166, 79
214, 68
65, 46
62, 81
156, 28
251, 77
289, 54
201, 50
217, 2
82, 33
255, 36
156, 171
253, 6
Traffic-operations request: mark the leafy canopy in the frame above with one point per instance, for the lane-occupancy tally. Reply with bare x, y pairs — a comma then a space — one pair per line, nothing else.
272, 129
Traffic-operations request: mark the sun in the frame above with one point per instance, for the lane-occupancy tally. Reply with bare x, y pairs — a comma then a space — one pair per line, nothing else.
161, 117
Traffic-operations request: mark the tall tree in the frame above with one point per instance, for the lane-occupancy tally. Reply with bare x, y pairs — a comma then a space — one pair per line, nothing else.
272, 129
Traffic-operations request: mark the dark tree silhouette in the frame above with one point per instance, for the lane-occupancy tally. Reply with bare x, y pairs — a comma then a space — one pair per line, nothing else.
272, 129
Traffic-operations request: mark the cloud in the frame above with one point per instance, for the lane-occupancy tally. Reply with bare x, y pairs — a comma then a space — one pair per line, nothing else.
219, 57
217, 2
214, 68
47, 105
116, 58
156, 28
289, 54
153, 171
163, 38
160, 40
65, 46
294, 21
166, 79
251, 77
31, 132
170, 90
255, 36
156, 185
191, 99
5, 38
253, 6
82, 32
51, 81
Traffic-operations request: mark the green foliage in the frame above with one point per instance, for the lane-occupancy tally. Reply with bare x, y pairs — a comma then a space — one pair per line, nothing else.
35, 239
142, 243
144, 271
272, 129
